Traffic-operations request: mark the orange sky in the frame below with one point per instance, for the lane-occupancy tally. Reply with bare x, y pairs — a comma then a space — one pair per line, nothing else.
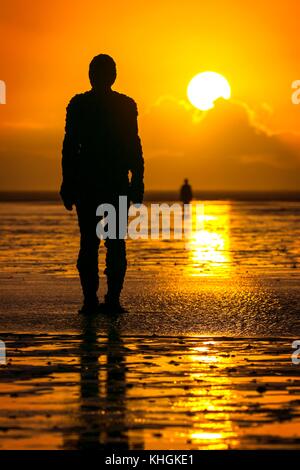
249, 142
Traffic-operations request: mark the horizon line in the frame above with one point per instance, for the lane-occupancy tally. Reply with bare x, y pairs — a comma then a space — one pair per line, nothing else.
165, 195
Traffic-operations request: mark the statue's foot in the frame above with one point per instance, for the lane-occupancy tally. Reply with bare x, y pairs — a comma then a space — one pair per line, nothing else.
112, 305
89, 307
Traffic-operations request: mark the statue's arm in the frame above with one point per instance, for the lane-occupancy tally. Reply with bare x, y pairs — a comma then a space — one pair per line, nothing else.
70, 150
136, 159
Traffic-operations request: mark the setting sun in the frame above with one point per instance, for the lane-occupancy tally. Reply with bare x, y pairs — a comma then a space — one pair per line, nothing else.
205, 88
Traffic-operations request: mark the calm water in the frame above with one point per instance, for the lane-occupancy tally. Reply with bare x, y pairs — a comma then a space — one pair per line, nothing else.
232, 238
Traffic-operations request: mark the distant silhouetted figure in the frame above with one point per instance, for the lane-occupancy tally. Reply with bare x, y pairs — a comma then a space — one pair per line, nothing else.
100, 147
186, 194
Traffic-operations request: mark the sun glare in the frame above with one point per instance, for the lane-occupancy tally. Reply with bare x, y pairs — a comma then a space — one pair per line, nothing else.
205, 88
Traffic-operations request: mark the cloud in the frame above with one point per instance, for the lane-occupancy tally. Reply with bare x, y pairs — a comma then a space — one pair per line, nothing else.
227, 147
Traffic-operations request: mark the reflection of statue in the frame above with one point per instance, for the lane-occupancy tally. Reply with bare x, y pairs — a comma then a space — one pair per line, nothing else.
102, 409
186, 194
91, 421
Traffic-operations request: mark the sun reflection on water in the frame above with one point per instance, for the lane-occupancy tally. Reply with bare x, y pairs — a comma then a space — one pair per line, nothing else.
209, 242
216, 428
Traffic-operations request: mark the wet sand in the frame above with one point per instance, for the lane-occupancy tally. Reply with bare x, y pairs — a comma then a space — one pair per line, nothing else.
92, 390
178, 371
165, 303
202, 359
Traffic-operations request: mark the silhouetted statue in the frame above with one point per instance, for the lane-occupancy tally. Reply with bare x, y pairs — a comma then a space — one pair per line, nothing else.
186, 194
100, 147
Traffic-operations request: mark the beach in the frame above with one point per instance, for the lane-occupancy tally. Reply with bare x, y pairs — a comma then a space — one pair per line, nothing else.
201, 360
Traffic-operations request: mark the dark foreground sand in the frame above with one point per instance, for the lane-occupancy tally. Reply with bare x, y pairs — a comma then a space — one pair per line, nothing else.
204, 364
88, 390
